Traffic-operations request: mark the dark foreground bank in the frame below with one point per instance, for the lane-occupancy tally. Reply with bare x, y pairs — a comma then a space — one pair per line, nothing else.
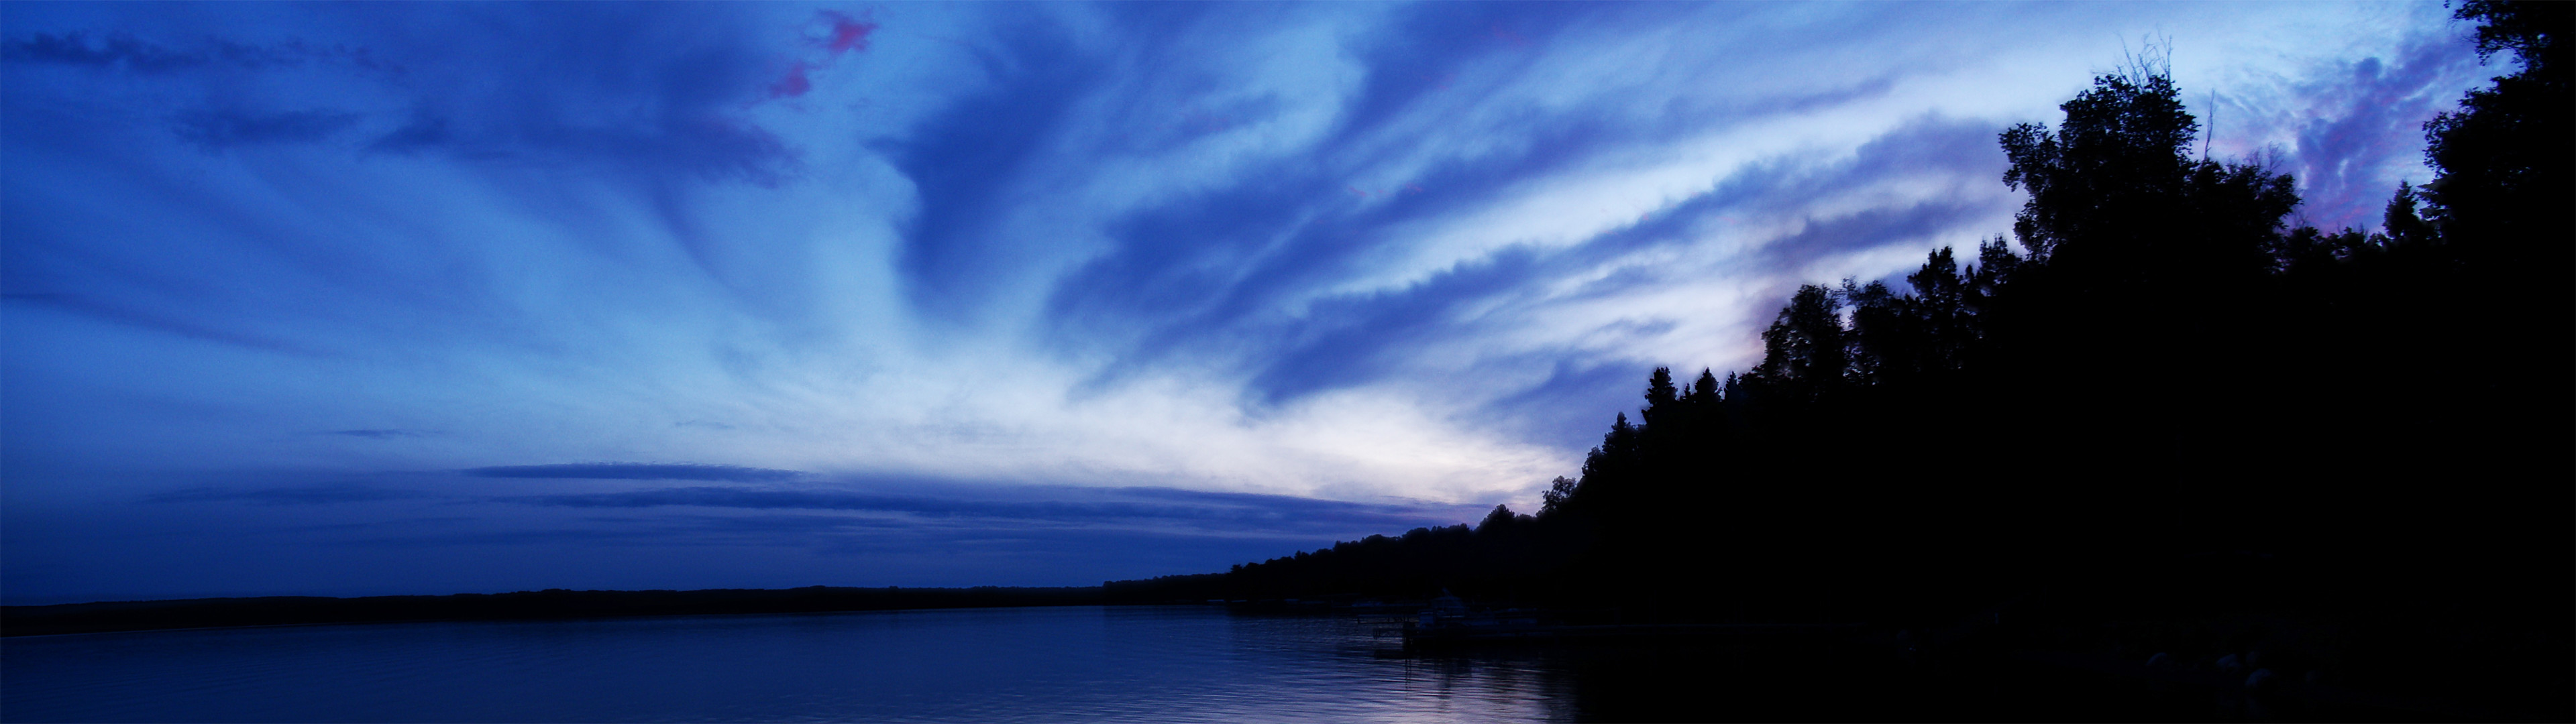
521, 605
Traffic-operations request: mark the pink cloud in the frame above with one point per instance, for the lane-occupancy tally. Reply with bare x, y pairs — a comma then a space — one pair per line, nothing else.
848, 33
793, 85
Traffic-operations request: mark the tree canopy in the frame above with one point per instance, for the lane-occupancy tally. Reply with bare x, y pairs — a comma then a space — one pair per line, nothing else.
2154, 377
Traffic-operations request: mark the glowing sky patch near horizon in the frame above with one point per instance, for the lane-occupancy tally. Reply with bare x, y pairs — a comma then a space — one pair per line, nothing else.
276, 275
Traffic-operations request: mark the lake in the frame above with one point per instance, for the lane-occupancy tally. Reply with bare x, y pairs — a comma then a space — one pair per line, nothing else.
1091, 663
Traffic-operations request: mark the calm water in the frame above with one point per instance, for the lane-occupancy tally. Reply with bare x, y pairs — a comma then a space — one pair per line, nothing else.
1052, 664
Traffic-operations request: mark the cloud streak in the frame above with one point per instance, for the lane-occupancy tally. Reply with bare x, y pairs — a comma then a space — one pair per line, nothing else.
307, 495
1207, 511
635, 471
125, 52
219, 129
1112, 256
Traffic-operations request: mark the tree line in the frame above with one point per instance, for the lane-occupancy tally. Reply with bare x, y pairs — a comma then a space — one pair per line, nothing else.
2157, 395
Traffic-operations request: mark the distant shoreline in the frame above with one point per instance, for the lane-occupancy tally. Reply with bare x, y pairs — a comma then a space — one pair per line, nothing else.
551, 604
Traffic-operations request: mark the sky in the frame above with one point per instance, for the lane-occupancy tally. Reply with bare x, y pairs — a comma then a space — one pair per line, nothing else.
358, 299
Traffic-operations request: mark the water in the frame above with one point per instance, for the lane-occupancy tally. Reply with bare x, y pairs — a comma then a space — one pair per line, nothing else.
1054, 664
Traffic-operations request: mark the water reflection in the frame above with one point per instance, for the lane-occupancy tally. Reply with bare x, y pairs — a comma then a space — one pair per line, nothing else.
1093, 663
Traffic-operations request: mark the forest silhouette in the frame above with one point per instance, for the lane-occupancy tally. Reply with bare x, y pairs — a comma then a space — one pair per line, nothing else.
2155, 405
2157, 400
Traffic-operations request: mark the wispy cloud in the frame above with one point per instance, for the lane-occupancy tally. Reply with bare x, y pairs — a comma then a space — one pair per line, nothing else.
218, 129
2368, 126
378, 434
1267, 514
305, 495
635, 471
1353, 252
125, 52
2349, 128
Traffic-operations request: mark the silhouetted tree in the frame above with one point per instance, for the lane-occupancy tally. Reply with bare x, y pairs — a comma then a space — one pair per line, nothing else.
1558, 491
1803, 352
2403, 226
2117, 206
2504, 186
1662, 399
1704, 391
2163, 379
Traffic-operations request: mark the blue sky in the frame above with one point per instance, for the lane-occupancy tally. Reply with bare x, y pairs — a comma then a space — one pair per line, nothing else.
396, 298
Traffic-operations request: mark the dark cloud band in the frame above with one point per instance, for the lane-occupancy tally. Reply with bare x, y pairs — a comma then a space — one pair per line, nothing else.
636, 471
1119, 506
